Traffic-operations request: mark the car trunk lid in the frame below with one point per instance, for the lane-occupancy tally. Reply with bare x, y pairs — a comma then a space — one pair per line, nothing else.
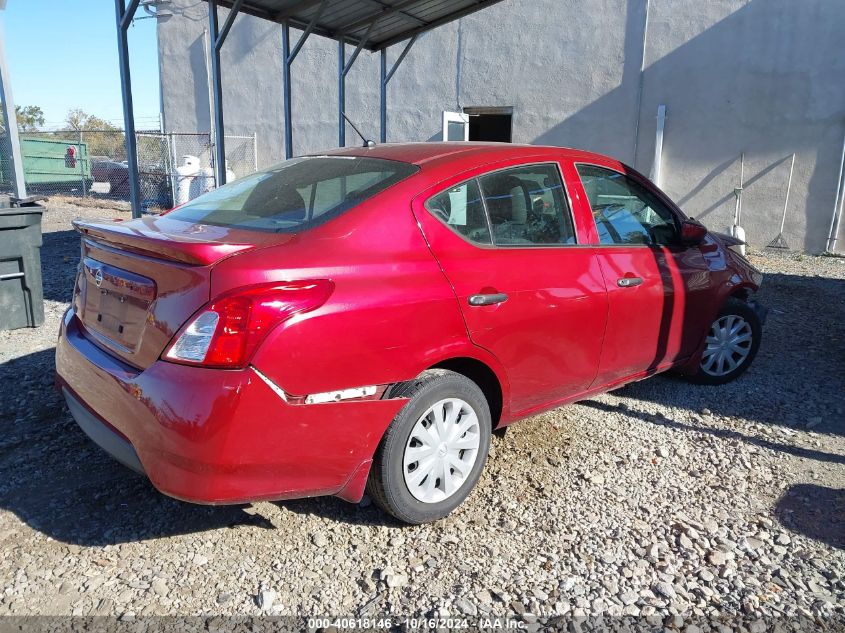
139, 281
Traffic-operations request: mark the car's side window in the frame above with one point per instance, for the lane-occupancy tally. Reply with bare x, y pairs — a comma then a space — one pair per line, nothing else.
526, 206
625, 212
461, 208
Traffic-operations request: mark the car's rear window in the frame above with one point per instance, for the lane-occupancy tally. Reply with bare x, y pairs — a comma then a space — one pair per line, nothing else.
295, 195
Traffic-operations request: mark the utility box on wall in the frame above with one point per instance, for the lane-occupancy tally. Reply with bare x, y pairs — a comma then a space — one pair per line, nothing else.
21, 292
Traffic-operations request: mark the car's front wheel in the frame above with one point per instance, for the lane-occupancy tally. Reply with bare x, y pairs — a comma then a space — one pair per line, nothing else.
434, 450
731, 344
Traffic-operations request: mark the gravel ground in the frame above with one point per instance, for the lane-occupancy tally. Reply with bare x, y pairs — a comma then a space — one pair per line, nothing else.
661, 499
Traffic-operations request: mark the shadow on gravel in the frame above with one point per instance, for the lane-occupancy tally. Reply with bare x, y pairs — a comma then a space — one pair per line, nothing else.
797, 451
341, 511
814, 511
60, 483
59, 259
798, 377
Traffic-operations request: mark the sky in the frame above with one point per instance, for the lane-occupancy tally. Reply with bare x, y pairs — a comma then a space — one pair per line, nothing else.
62, 54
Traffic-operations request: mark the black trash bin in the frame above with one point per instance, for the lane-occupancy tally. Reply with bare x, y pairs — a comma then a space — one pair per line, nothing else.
21, 292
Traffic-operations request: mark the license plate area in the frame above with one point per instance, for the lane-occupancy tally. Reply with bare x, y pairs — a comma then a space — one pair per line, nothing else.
116, 303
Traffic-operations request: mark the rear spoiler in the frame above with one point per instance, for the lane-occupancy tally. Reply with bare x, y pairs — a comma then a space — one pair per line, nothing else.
159, 245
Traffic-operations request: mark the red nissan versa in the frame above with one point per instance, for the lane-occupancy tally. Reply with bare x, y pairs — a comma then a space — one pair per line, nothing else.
365, 318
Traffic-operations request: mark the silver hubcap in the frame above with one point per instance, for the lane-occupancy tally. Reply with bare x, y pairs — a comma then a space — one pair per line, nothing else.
728, 345
441, 450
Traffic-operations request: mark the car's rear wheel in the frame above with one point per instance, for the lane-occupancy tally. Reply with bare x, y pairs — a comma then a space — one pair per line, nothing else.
434, 450
731, 344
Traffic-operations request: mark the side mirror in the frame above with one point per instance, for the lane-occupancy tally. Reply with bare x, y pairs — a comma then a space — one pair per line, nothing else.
692, 232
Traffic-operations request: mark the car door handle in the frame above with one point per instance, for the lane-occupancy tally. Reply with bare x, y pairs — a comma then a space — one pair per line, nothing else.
628, 282
487, 300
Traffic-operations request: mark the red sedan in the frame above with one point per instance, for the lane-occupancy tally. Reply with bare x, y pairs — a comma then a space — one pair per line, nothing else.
362, 320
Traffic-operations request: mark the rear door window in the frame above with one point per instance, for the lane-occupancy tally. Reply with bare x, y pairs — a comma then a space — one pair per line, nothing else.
526, 206
462, 210
519, 206
296, 194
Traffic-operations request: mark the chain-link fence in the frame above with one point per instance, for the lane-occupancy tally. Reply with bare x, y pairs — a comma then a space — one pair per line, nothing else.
5, 163
92, 163
6, 172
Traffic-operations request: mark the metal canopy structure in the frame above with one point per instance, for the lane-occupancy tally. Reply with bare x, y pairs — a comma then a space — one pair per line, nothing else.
374, 25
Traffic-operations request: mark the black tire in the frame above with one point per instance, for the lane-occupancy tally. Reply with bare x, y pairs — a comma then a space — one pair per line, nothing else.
734, 307
386, 484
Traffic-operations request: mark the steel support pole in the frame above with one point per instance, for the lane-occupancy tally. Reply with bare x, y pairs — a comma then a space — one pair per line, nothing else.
124, 17
290, 55
386, 76
217, 96
286, 89
341, 92
81, 162
383, 96
8, 103
171, 152
343, 69
230, 20
217, 36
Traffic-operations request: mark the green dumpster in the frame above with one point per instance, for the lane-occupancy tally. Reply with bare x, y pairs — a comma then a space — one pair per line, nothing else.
21, 292
52, 165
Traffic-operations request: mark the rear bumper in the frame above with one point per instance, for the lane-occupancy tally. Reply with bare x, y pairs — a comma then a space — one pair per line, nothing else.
102, 434
213, 436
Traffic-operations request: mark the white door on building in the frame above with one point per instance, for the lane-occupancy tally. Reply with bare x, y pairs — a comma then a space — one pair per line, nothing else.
455, 126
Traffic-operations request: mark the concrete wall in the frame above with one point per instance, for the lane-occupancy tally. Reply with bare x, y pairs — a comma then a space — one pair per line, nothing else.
764, 77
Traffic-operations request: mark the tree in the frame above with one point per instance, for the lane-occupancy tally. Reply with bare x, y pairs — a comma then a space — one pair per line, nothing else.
103, 138
80, 120
30, 118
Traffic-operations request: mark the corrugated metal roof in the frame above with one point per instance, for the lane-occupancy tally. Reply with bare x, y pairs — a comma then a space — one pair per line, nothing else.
392, 20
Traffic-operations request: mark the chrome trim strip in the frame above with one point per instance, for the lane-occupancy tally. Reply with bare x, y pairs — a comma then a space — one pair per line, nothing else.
567, 201
341, 394
276, 388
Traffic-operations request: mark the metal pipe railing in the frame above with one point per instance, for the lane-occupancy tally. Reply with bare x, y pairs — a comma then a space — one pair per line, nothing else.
836, 218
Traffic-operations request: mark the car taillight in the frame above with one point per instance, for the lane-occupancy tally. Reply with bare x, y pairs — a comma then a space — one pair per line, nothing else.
227, 331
